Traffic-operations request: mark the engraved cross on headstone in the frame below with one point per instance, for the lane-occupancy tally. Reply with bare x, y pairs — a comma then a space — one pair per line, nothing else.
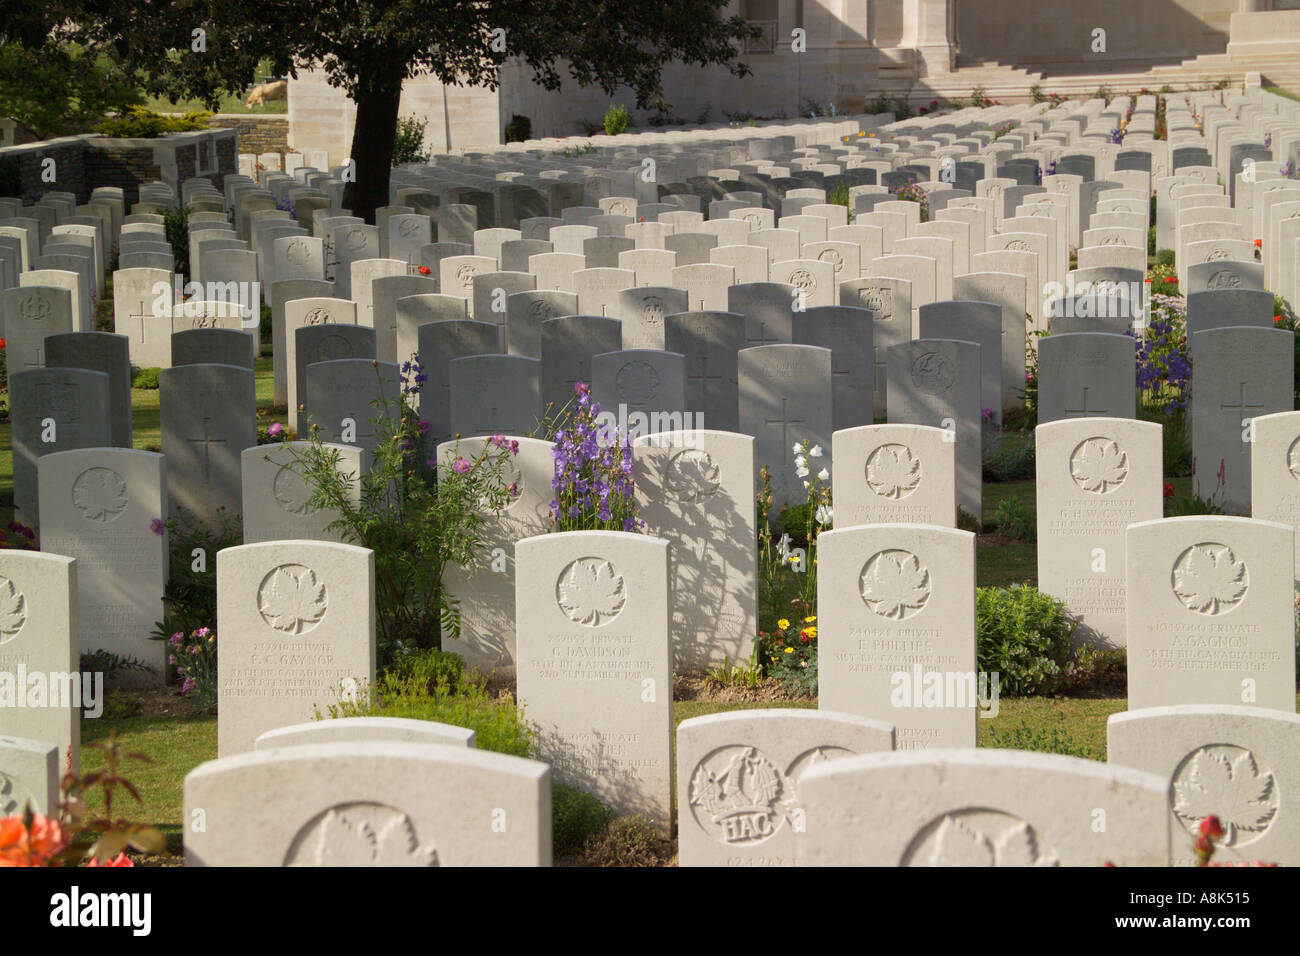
704, 378
207, 442
762, 336
1085, 411
785, 421
1240, 408
142, 316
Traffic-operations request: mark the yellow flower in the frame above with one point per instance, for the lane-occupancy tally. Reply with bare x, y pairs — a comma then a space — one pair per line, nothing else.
783, 624
812, 631
789, 650
810, 620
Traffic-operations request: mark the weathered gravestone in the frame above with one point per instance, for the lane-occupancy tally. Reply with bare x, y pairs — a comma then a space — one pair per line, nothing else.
936, 382
105, 508
1216, 621
1237, 373
568, 344
1086, 374
695, 489
846, 331
40, 636
208, 417
346, 397
894, 474
99, 352
50, 410
1275, 471
212, 346
312, 344
785, 400
29, 777
738, 778
896, 631
370, 803
277, 496
595, 664
297, 626
709, 341
1236, 763
981, 808
486, 590
1095, 477
494, 394
348, 729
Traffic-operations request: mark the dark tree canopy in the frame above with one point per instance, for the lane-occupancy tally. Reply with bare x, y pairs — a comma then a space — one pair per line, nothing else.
368, 47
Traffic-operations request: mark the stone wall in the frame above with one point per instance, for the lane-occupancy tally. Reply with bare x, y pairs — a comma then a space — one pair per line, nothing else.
80, 163
258, 133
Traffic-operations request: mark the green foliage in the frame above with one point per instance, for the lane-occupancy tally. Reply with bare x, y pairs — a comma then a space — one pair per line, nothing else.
136, 122
177, 224
418, 516
788, 652
1096, 672
1036, 93
576, 818
1013, 462
839, 196
434, 687
408, 141
56, 89
727, 674
145, 378
1056, 739
1023, 635
11, 179
120, 704
1165, 257
627, 841
1194, 504
586, 149
519, 128
190, 598
617, 119
1151, 240
1104, 92
978, 97
1015, 519
105, 662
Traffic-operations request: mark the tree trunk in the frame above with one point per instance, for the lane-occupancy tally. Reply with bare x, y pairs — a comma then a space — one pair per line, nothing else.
373, 136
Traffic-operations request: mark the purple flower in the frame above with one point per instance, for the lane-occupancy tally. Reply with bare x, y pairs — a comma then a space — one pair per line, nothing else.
460, 466
157, 526
274, 429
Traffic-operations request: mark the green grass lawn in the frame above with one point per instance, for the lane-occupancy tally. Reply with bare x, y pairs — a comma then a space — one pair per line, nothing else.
175, 746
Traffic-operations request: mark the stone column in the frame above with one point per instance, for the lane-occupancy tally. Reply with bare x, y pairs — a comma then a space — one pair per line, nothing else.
927, 28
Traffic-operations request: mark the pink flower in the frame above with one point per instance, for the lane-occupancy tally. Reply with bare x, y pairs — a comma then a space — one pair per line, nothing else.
274, 429
460, 466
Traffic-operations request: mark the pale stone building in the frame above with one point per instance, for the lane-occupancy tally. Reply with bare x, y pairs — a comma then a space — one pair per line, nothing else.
853, 52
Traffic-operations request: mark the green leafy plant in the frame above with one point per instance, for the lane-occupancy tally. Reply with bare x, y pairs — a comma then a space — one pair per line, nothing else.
576, 818
726, 674
190, 597
60, 88
617, 119
1015, 519
789, 652
146, 378
136, 122
1023, 635
1056, 739
408, 142
428, 684
101, 661
177, 224
1014, 461
519, 129
195, 658
586, 149
417, 515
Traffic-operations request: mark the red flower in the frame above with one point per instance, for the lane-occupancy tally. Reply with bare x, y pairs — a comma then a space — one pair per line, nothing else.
1258, 243
1146, 280
1210, 827
1169, 489
1172, 279
2, 343
1277, 320
425, 270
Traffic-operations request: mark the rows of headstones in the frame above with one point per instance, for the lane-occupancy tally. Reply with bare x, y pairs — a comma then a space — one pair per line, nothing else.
250, 164
510, 306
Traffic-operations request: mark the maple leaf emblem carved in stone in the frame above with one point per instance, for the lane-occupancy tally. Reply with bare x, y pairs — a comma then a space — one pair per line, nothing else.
959, 843
893, 471
895, 584
1225, 781
1098, 466
1210, 579
99, 494
364, 835
1293, 459
590, 592
292, 599
692, 476
13, 610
